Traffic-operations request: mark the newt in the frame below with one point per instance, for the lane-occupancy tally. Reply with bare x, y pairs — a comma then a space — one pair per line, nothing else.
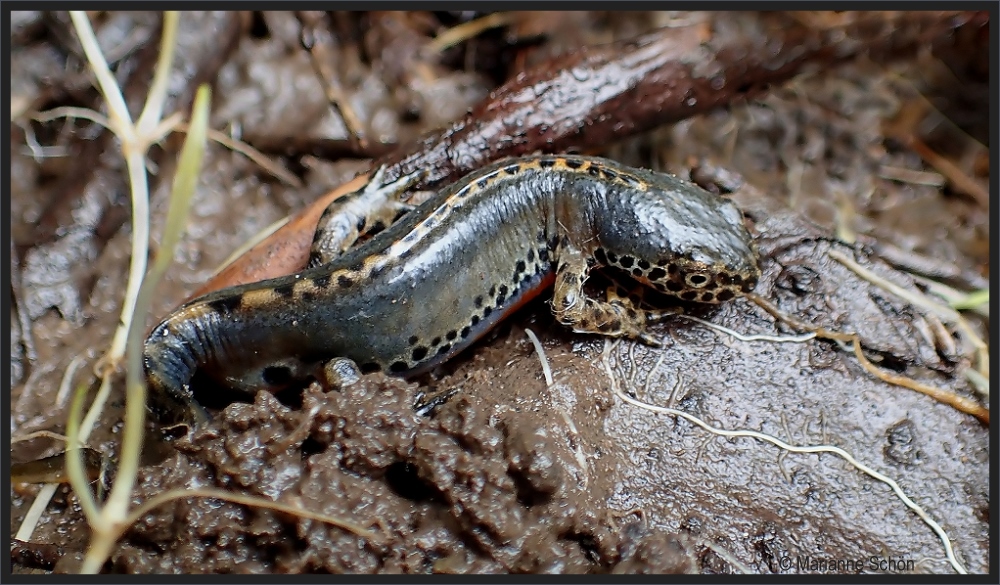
427, 286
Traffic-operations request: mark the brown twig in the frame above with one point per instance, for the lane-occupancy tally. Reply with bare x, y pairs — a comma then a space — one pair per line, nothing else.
956, 176
320, 43
471, 29
597, 95
318, 146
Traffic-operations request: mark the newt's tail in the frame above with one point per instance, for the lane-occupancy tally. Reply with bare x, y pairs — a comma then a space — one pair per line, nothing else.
170, 360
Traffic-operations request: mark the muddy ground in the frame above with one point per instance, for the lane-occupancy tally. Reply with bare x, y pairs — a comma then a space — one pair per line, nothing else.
513, 474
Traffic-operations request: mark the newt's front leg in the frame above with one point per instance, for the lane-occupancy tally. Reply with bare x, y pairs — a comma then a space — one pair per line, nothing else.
617, 317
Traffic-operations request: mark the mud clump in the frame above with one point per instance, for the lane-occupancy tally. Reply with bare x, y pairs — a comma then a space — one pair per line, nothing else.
467, 490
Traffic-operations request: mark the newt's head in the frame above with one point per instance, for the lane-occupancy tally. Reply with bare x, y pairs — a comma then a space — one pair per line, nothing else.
681, 240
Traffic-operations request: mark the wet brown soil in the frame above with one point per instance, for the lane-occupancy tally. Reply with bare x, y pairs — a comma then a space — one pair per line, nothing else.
512, 474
